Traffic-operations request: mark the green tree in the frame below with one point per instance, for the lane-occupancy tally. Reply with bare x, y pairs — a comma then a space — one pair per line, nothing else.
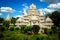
1, 20
22, 28
54, 29
55, 16
28, 29
6, 24
36, 29
13, 21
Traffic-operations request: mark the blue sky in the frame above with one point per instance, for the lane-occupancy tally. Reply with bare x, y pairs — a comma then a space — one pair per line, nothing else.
16, 6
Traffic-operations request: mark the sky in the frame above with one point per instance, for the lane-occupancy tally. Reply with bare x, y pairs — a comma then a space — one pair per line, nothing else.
15, 7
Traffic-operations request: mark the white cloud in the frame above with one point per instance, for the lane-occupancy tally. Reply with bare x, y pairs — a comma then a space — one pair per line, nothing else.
7, 9
18, 16
0, 14
25, 6
48, 10
54, 6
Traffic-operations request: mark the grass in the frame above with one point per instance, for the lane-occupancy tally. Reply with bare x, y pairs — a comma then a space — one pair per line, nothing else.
17, 35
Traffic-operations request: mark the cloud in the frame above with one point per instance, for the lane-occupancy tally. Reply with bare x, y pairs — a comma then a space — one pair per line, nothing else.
25, 6
48, 10
54, 6
7, 9
20, 11
49, 1
18, 16
0, 14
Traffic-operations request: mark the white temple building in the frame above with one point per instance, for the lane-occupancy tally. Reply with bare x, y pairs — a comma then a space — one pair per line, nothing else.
33, 17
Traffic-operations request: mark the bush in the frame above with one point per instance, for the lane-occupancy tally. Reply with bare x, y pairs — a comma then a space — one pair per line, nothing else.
1, 35
16, 28
11, 28
2, 28
36, 29
28, 29
22, 28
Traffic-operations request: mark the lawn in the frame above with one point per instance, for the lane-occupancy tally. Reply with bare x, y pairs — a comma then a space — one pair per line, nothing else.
17, 35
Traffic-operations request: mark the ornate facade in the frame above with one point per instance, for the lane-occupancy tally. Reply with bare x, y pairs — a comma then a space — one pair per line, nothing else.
33, 17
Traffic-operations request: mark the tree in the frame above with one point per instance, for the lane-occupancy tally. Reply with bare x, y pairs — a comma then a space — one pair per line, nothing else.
1, 20
22, 28
36, 29
13, 20
54, 29
28, 29
6, 24
55, 16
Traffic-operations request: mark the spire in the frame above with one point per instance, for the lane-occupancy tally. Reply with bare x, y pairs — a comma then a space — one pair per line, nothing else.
41, 12
32, 6
8, 18
25, 13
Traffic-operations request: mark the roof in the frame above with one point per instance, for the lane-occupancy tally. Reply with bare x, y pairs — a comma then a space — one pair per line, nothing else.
19, 20
48, 19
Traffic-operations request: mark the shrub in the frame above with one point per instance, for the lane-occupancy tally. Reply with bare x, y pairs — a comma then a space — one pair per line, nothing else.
22, 28
11, 28
1, 35
2, 28
36, 29
28, 29
16, 28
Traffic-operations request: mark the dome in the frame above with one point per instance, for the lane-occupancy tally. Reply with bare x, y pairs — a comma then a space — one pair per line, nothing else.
32, 6
48, 19
19, 20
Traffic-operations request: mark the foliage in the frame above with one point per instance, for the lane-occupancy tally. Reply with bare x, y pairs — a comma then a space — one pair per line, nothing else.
6, 24
55, 16
22, 28
11, 28
36, 29
2, 28
1, 20
54, 29
16, 28
28, 29
13, 20
45, 30
1, 35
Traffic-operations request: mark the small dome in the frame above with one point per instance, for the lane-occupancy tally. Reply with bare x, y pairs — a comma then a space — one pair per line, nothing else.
19, 20
48, 19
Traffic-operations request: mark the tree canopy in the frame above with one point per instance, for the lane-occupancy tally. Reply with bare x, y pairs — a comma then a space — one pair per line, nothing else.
55, 16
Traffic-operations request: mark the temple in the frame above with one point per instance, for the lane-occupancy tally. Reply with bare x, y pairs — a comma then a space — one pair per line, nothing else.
33, 17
